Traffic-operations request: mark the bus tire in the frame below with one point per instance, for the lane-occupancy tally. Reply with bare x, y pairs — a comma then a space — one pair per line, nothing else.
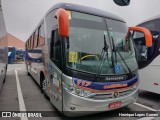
42, 83
28, 71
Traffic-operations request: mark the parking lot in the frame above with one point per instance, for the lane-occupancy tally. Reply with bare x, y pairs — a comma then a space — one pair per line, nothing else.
20, 92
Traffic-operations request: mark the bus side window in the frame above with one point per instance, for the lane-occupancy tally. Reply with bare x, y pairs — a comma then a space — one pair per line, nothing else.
36, 38
41, 36
55, 48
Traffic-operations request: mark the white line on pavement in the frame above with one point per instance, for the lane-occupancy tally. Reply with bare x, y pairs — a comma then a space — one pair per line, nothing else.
147, 118
20, 96
16, 69
151, 109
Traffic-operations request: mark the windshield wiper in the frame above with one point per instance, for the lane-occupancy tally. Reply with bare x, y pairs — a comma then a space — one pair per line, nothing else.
103, 57
116, 50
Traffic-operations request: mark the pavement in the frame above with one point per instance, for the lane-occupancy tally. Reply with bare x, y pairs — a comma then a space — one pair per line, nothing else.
21, 93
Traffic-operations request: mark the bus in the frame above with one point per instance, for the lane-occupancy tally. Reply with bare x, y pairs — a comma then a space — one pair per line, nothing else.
87, 59
3, 49
11, 54
149, 57
20, 55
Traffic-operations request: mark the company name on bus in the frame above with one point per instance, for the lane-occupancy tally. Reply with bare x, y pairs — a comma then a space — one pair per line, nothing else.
115, 86
114, 78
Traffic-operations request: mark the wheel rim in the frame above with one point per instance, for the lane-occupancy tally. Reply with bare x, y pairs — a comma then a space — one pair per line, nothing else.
44, 85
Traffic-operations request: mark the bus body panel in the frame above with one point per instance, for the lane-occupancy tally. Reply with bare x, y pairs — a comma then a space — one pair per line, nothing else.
34, 63
150, 77
55, 78
3, 49
92, 106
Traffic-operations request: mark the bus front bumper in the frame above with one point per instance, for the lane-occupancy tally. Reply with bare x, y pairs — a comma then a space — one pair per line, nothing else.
74, 105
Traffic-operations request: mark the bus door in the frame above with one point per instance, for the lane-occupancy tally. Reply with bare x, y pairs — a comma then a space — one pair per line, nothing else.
36, 63
29, 60
55, 73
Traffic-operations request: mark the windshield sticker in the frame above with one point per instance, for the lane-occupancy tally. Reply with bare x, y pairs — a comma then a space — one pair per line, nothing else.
73, 57
117, 68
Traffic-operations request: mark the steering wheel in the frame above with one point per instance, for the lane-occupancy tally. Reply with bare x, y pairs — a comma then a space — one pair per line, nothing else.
91, 55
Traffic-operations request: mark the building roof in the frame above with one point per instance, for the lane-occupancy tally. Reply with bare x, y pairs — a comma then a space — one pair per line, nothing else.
13, 41
87, 10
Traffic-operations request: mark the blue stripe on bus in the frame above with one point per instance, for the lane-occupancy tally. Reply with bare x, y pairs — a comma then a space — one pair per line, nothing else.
105, 85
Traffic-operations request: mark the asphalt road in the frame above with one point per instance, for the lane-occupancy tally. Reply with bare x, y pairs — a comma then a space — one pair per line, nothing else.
35, 101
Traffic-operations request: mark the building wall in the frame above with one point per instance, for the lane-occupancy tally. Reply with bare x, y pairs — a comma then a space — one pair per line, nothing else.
13, 41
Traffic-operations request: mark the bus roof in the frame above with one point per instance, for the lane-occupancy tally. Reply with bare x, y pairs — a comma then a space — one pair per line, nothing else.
150, 19
83, 9
87, 10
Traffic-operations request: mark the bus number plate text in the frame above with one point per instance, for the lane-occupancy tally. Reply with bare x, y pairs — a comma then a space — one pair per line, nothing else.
115, 105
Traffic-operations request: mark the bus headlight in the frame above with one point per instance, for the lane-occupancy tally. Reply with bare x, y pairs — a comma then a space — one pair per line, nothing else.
77, 91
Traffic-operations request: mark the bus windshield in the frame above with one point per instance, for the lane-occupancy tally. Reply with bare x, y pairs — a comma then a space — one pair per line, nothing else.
90, 46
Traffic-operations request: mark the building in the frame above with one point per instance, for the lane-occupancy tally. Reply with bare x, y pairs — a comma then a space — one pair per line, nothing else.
13, 41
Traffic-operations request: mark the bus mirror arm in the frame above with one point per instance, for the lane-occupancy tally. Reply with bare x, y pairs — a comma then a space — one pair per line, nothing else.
147, 34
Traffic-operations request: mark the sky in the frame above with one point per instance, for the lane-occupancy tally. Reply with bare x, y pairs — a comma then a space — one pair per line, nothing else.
21, 16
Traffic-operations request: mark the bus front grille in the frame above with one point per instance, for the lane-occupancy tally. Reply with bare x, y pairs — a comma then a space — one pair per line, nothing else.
110, 95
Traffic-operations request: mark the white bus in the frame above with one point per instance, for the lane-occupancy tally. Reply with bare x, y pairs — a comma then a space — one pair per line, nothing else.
150, 57
84, 59
3, 49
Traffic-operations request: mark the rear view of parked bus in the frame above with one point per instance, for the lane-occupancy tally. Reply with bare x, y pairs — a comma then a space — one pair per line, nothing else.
3, 49
149, 57
11, 54
88, 59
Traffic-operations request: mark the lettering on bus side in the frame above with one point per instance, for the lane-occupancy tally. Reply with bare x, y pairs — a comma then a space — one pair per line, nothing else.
55, 80
115, 86
83, 83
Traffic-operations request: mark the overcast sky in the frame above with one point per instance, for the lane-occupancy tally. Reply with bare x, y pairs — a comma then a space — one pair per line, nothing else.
21, 16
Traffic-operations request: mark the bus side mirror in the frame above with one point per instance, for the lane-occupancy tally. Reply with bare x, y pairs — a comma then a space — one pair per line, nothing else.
63, 22
143, 42
146, 32
122, 2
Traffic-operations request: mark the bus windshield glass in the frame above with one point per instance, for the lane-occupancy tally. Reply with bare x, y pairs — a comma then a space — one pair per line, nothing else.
90, 46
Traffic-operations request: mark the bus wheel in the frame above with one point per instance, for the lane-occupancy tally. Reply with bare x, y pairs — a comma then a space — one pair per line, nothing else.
43, 83
28, 71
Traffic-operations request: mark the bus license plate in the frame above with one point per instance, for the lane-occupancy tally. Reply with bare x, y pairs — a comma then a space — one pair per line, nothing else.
115, 105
